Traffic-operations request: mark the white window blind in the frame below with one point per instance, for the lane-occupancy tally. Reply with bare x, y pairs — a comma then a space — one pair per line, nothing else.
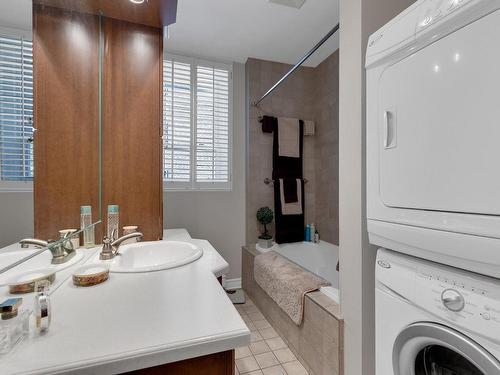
196, 124
16, 109
212, 124
176, 121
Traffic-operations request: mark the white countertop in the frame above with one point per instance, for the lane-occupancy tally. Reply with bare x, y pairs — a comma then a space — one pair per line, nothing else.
135, 321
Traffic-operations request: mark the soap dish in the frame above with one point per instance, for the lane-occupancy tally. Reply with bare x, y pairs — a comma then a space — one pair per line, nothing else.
89, 275
25, 282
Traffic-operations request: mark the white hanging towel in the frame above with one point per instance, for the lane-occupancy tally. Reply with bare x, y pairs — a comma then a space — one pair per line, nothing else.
289, 137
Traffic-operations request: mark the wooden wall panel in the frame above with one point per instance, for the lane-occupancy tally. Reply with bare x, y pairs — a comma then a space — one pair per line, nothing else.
132, 125
156, 13
65, 48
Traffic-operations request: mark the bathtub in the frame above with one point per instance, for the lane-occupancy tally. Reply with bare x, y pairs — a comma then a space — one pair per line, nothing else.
320, 259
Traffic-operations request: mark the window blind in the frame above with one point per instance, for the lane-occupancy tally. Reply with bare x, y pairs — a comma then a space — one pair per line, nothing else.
212, 124
16, 109
196, 124
177, 121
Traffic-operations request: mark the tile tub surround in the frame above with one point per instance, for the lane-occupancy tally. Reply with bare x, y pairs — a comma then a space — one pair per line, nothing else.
318, 342
326, 117
309, 94
292, 99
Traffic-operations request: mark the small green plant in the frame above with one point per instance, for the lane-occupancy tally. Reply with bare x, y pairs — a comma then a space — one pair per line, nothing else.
265, 216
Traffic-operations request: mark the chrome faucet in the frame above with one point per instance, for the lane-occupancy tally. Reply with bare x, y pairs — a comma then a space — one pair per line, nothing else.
61, 252
110, 249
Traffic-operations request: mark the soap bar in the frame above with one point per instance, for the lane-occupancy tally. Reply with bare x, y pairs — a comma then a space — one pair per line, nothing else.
10, 305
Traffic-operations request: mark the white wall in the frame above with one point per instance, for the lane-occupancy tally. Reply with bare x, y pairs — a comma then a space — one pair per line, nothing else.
358, 19
16, 217
218, 217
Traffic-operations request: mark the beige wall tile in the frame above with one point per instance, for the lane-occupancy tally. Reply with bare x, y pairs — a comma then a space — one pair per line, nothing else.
309, 94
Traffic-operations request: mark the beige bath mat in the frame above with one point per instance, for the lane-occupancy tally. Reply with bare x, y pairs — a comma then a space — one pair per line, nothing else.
286, 283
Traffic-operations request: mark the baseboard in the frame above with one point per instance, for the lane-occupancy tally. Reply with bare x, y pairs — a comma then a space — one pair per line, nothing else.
232, 283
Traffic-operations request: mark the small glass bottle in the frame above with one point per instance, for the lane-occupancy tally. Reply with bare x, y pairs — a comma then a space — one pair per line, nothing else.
85, 222
14, 326
113, 222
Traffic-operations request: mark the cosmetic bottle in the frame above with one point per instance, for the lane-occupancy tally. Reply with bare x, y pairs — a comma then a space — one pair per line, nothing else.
113, 222
43, 313
85, 222
308, 233
313, 230
14, 324
316, 236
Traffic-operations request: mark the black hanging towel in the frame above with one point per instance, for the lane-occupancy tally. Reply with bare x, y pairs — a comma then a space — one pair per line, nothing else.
289, 228
269, 123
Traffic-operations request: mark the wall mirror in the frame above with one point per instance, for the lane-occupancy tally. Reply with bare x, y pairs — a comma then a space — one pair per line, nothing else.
50, 121
73, 132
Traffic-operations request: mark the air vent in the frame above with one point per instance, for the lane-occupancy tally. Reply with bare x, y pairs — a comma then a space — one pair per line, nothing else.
289, 3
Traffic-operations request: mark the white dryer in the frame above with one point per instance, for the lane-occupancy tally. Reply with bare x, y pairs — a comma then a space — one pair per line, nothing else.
433, 133
434, 320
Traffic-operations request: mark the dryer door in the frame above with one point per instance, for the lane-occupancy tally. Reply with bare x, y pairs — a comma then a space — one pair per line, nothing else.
438, 124
433, 349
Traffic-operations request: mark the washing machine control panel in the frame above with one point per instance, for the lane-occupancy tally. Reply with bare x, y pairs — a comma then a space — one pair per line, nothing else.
465, 299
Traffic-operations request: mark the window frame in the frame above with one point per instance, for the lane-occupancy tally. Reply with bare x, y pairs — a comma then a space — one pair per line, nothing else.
17, 186
192, 184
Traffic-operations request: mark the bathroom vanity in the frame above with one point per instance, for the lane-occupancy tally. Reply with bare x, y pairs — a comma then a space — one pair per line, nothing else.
172, 321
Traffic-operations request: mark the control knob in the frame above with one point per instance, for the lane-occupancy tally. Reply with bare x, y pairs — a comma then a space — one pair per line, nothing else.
452, 300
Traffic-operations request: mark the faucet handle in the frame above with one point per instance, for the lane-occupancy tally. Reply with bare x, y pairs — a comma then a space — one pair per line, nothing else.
106, 244
107, 249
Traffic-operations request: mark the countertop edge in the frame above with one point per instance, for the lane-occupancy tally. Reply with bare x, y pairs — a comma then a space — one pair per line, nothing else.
151, 357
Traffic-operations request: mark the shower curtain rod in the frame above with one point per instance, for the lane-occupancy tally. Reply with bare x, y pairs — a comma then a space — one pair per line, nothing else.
302, 60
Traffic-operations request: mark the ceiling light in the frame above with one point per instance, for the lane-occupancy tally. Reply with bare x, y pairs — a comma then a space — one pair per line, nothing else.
289, 3
137, 1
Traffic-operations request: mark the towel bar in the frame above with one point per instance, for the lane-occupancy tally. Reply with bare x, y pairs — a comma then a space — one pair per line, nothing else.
269, 181
309, 127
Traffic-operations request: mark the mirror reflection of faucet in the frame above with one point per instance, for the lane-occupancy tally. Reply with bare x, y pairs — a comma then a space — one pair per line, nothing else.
62, 252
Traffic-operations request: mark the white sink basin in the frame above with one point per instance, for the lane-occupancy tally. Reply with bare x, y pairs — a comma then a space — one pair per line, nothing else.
154, 256
40, 261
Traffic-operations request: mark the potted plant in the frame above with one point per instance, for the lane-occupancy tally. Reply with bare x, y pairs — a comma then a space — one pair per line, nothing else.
265, 216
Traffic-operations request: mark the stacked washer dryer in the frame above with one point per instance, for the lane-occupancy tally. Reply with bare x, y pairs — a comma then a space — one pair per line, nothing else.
433, 188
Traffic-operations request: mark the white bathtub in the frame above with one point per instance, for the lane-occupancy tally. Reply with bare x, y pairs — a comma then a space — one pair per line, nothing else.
320, 259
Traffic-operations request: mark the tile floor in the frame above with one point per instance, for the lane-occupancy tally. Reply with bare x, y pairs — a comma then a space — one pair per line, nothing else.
268, 353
